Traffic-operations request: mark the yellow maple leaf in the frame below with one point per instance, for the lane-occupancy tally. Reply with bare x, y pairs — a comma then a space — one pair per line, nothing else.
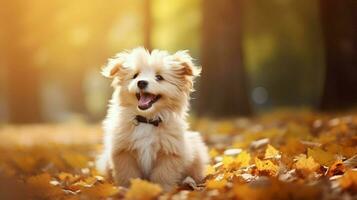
271, 152
243, 159
141, 189
266, 166
227, 161
321, 156
216, 184
306, 164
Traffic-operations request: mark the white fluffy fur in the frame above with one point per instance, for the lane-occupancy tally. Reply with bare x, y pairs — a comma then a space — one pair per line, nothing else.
165, 154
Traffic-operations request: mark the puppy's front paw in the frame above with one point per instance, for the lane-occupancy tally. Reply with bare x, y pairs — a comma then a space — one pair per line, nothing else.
189, 182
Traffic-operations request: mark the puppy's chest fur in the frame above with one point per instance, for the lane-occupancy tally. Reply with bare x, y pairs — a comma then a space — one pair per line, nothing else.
150, 142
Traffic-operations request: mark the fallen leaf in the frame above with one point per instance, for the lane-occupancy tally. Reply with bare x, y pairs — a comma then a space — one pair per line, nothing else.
321, 156
227, 161
266, 167
349, 180
141, 189
336, 168
271, 152
243, 159
216, 184
306, 164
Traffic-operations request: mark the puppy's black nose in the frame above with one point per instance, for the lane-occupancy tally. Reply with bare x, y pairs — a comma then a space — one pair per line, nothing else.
142, 84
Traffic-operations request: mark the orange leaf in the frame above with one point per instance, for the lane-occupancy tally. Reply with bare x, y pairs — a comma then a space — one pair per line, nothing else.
266, 167
321, 156
306, 164
141, 189
349, 180
216, 184
337, 168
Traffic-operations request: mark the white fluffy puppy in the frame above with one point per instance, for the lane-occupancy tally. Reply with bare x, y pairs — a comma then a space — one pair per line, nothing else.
146, 132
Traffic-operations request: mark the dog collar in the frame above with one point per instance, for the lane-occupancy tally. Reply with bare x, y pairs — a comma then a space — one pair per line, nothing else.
142, 119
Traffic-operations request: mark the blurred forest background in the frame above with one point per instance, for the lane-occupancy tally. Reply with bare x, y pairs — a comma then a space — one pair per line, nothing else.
256, 55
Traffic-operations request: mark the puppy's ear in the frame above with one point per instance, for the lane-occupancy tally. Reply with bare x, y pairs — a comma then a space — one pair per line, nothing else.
187, 67
114, 66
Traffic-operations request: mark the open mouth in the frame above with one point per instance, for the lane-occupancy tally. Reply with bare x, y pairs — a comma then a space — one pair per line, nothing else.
146, 100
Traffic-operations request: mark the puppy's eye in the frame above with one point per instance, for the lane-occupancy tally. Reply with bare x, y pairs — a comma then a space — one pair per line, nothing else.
159, 78
136, 75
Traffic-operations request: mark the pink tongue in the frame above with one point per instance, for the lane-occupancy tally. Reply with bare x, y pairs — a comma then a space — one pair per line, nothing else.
145, 100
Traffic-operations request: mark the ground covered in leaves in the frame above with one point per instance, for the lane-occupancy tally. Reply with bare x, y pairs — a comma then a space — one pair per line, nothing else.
282, 155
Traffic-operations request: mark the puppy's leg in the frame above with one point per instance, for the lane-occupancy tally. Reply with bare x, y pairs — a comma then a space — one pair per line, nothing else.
103, 164
197, 169
167, 171
125, 168
200, 159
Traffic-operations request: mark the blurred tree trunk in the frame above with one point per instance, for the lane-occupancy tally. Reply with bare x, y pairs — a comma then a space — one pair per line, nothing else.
23, 78
147, 24
339, 23
23, 88
22, 75
223, 87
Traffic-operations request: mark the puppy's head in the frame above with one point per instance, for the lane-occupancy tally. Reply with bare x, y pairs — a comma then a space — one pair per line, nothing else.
152, 82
